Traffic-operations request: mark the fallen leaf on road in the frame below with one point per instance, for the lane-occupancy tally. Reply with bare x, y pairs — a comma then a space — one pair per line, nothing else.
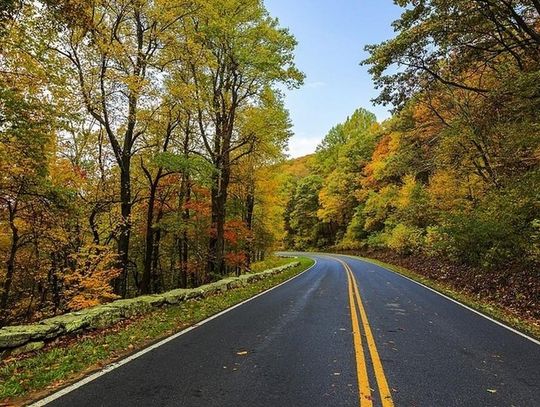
242, 353
492, 390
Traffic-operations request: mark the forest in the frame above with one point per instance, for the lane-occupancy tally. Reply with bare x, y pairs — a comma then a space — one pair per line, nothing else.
143, 148
453, 177
133, 138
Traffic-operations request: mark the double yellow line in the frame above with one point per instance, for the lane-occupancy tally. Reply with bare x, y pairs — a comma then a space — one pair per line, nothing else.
357, 307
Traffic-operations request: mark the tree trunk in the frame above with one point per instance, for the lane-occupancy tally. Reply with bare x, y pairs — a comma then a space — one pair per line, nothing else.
157, 279
120, 283
183, 242
146, 282
250, 205
10, 263
93, 224
216, 264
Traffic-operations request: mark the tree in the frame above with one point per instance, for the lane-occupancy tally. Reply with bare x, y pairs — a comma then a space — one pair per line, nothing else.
238, 51
304, 230
453, 43
340, 160
26, 139
114, 49
270, 126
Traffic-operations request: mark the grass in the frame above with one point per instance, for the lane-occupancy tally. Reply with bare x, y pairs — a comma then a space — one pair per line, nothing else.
54, 366
530, 328
269, 263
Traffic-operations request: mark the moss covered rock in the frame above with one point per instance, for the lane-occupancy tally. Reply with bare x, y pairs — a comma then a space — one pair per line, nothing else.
12, 336
68, 323
175, 296
155, 300
130, 307
25, 338
214, 288
29, 347
103, 316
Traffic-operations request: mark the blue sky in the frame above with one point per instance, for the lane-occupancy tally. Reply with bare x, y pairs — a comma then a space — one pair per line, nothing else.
331, 35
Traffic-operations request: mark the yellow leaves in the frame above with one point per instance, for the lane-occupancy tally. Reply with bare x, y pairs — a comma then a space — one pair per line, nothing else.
63, 174
135, 84
375, 168
334, 197
88, 283
447, 191
406, 191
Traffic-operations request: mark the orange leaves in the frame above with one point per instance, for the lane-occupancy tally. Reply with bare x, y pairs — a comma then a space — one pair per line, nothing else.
238, 259
66, 175
376, 166
199, 208
236, 232
89, 280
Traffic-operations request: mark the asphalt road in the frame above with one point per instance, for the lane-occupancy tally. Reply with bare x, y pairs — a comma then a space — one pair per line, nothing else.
300, 345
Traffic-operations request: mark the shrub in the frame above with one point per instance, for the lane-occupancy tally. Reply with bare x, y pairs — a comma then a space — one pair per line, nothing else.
498, 232
405, 239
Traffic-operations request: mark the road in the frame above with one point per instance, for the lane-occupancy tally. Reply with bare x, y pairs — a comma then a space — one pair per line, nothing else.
300, 345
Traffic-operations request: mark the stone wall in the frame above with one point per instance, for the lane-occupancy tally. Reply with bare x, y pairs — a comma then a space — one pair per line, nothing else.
24, 338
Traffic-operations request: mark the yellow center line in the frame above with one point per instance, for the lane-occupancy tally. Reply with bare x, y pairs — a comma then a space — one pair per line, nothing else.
363, 381
384, 390
361, 369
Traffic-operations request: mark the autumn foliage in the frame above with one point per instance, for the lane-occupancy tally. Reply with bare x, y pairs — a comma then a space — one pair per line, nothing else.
133, 135
452, 179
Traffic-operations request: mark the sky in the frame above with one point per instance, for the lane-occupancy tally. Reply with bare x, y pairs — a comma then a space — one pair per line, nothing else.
331, 36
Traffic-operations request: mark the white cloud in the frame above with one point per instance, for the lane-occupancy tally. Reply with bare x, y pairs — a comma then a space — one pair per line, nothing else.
300, 145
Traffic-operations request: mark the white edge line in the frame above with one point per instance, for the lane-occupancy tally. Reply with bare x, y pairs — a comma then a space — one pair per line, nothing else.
447, 297
115, 365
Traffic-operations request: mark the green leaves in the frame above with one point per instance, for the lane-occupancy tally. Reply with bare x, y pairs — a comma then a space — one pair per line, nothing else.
193, 166
452, 43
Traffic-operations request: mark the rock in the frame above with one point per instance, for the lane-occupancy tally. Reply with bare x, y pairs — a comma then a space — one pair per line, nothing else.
12, 336
232, 282
70, 322
103, 316
244, 278
155, 300
29, 347
214, 288
175, 296
194, 293
130, 307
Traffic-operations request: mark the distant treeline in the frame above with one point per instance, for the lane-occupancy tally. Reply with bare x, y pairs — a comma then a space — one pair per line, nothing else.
455, 172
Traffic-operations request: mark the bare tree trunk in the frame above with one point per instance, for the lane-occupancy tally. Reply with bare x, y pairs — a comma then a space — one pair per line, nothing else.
183, 242
157, 279
250, 205
146, 282
120, 283
10, 263
217, 240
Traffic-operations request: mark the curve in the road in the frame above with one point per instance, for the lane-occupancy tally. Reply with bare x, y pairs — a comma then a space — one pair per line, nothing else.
307, 342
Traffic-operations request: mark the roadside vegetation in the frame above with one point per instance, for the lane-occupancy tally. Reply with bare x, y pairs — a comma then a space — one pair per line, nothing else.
70, 358
134, 137
142, 149
450, 184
